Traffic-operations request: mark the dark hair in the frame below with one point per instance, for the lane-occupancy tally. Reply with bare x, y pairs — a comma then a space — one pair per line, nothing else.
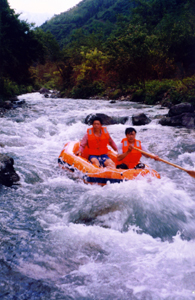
129, 130
96, 119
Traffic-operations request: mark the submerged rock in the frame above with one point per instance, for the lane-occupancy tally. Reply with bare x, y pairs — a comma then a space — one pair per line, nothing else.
8, 175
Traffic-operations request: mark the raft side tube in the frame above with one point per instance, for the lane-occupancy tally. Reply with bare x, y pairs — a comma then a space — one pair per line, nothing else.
93, 174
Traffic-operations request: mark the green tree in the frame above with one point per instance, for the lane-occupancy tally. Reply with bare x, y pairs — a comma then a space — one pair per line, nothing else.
173, 22
19, 47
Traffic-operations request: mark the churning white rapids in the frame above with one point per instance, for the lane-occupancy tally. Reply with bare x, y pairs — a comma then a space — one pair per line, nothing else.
63, 239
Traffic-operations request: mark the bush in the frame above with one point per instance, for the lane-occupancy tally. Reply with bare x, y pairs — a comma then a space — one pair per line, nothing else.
85, 91
139, 96
115, 94
11, 88
176, 91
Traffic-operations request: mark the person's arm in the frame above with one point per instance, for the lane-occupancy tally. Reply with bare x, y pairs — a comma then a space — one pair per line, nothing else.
121, 156
83, 144
144, 149
112, 143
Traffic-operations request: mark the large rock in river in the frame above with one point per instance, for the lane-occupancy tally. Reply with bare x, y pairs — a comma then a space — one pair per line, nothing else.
140, 119
184, 120
180, 109
106, 120
182, 115
8, 175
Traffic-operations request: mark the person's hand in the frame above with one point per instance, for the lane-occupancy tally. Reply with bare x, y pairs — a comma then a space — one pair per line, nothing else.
130, 148
156, 157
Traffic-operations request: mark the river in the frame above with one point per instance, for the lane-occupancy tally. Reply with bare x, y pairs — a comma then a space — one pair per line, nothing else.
63, 239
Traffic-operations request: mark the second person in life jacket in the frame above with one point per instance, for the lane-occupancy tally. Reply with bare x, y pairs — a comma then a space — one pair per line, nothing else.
97, 138
128, 157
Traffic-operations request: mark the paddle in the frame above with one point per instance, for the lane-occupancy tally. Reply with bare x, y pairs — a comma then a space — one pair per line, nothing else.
190, 172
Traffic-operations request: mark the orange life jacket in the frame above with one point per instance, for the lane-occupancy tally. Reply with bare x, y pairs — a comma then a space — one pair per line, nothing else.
98, 145
133, 158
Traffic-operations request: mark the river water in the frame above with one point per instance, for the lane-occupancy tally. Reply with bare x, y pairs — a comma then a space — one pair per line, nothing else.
63, 239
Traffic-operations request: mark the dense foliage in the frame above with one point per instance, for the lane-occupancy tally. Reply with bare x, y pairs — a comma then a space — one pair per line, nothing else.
22, 49
90, 16
152, 42
19, 48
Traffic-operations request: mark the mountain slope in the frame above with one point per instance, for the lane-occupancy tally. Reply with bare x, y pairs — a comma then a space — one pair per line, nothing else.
89, 15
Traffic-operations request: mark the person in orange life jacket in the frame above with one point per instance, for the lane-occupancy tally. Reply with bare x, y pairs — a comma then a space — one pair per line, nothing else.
97, 138
129, 157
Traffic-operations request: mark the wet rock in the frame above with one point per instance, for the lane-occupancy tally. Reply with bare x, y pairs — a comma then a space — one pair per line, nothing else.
184, 120
180, 109
12, 103
44, 91
140, 119
106, 120
180, 115
8, 104
188, 120
50, 94
55, 94
8, 175
20, 102
13, 99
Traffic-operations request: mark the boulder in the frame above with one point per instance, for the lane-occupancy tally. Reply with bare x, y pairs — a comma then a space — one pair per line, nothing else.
184, 120
180, 115
8, 104
44, 91
188, 120
8, 175
180, 109
13, 102
140, 119
55, 94
106, 120
13, 99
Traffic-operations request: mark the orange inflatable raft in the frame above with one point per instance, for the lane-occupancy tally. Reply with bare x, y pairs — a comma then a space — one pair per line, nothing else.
93, 174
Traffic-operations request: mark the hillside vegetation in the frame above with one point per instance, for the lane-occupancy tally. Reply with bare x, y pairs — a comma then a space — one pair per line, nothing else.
143, 50
90, 16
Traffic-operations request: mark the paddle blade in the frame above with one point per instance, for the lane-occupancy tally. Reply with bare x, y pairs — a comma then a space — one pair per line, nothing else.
191, 173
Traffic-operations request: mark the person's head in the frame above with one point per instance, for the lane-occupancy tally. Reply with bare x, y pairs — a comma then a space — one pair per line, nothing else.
97, 123
130, 133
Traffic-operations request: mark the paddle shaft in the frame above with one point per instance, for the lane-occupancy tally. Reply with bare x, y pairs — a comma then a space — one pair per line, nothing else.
165, 161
